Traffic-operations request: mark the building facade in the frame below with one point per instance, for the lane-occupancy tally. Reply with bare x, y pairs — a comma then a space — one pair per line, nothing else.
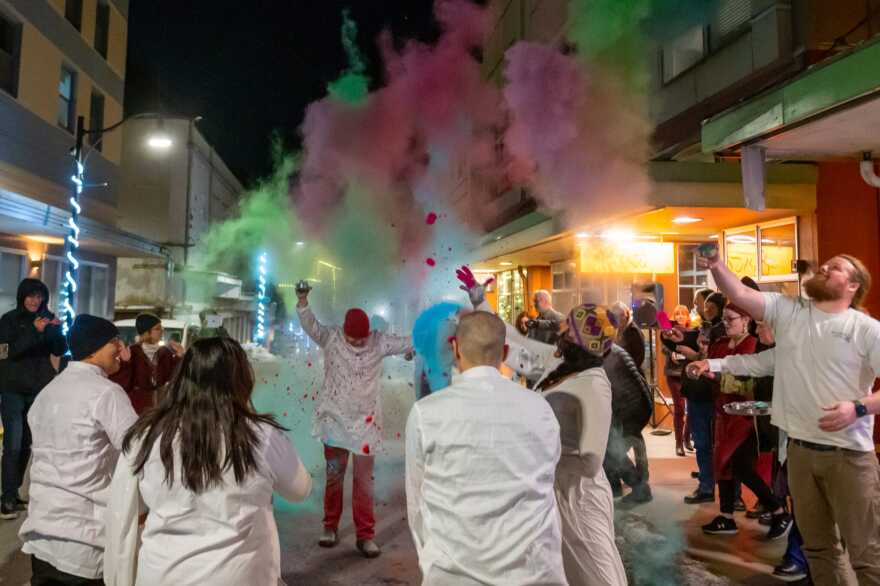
61, 59
174, 198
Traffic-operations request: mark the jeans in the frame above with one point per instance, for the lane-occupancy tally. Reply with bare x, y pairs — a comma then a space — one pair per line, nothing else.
743, 463
701, 416
617, 464
362, 492
14, 408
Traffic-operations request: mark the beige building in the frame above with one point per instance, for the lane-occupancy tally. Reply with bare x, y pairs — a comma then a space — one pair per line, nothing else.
60, 59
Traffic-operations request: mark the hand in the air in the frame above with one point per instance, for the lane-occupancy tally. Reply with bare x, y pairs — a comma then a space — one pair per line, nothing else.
469, 284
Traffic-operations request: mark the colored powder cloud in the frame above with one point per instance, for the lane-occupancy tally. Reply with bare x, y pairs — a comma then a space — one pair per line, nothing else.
431, 332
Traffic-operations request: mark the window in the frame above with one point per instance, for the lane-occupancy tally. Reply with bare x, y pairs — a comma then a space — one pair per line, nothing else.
731, 17
778, 251
13, 268
73, 12
91, 296
96, 119
102, 28
50, 274
511, 298
683, 52
690, 278
66, 100
10, 38
564, 281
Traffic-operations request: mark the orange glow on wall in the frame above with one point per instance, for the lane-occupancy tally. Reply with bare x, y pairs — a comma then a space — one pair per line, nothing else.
635, 257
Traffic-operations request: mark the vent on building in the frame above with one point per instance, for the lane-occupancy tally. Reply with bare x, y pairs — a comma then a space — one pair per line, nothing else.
732, 16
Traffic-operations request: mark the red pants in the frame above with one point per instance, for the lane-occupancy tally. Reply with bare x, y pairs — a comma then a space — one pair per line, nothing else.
682, 432
362, 494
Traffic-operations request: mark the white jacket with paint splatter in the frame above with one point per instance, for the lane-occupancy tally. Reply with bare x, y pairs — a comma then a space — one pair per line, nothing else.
349, 410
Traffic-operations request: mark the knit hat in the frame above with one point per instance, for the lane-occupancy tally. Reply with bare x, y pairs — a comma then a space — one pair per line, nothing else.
89, 334
357, 324
593, 327
146, 322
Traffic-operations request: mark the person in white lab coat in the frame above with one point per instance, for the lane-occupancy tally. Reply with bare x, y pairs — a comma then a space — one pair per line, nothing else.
348, 418
78, 422
204, 464
480, 461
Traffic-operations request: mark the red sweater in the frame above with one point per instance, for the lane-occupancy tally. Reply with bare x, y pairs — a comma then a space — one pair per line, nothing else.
141, 378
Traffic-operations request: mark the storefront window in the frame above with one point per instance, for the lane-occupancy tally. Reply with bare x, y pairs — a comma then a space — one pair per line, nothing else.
690, 278
742, 253
778, 250
511, 300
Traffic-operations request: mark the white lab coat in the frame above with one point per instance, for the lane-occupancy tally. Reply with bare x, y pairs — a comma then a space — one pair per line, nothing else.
77, 422
349, 410
583, 494
480, 462
224, 536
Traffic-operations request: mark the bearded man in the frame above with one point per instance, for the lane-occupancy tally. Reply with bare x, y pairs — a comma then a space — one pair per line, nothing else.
826, 358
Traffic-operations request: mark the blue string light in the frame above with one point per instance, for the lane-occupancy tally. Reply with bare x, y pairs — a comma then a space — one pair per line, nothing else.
261, 299
71, 245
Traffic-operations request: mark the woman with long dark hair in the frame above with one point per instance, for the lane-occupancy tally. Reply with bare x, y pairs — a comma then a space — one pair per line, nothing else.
205, 464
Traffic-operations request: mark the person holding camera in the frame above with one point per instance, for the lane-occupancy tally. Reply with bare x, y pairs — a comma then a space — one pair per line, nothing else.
545, 327
31, 347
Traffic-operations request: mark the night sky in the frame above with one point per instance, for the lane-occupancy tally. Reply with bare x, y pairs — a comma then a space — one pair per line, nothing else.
251, 67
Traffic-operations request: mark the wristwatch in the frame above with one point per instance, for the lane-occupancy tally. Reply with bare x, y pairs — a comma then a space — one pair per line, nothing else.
861, 410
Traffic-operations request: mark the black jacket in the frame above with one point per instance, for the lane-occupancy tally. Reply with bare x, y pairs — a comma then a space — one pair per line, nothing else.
696, 390
545, 328
26, 367
632, 340
631, 400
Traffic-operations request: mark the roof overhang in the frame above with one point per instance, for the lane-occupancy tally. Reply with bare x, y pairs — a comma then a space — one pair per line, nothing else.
831, 111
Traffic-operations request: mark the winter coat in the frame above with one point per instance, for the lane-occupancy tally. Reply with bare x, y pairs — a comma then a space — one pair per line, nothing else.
631, 401
25, 366
632, 340
546, 326
141, 377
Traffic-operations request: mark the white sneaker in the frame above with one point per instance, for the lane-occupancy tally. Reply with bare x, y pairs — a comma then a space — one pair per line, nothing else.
328, 538
369, 548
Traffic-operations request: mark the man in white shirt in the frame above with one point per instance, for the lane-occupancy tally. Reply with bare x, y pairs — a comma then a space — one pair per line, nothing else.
348, 418
480, 466
78, 422
826, 358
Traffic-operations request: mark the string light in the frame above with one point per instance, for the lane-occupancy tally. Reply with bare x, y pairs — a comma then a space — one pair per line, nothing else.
261, 299
71, 245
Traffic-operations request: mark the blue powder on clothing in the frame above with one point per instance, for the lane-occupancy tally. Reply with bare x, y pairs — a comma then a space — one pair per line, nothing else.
431, 333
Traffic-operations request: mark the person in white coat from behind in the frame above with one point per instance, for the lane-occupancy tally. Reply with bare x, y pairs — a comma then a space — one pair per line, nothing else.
204, 464
480, 459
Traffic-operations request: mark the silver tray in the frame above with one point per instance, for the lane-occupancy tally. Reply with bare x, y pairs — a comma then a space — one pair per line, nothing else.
749, 408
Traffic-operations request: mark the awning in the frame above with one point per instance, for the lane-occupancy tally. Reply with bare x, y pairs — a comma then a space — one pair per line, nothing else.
20, 215
831, 111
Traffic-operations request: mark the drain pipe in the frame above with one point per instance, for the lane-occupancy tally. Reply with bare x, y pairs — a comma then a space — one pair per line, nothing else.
867, 169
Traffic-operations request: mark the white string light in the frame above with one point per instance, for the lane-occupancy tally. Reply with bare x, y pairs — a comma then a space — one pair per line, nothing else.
71, 245
261, 299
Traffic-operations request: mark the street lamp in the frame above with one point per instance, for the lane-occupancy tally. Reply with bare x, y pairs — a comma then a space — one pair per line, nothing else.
158, 141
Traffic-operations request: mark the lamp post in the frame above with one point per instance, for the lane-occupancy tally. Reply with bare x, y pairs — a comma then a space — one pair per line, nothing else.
159, 141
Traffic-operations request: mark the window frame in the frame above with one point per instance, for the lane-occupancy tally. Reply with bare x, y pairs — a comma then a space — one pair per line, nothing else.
704, 29
15, 57
103, 48
71, 104
62, 262
754, 231
75, 19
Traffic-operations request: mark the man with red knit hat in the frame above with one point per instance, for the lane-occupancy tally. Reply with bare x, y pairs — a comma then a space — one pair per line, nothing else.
348, 417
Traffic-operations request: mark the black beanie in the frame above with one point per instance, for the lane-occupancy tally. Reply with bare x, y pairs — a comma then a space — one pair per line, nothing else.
146, 322
89, 334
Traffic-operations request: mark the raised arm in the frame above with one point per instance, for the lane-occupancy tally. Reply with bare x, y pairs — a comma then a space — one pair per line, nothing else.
310, 324
736, 292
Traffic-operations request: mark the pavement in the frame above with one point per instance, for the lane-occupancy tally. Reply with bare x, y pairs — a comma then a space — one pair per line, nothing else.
660, 541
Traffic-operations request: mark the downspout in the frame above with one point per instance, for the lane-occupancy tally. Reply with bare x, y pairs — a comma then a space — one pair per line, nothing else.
869, 175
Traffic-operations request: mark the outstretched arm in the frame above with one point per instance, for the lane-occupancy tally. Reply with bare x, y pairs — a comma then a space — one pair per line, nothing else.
750, 300
310, 324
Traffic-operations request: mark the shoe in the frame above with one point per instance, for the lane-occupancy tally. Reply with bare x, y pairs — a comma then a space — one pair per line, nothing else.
739, 506
689, 445
780, 526
679, 451
766, 519
721, 525
757, 512
21, 504
616, 489
8, 511
639, 495
695, 474
699, 497
790, 571
369, 548
328, 538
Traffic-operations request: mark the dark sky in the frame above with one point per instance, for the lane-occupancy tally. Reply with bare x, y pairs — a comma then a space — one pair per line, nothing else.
250, 67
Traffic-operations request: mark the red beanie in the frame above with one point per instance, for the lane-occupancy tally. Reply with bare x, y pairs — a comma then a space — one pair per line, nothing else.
357, 324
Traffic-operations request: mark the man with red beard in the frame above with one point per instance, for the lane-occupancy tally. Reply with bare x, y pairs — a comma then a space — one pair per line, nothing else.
826, 358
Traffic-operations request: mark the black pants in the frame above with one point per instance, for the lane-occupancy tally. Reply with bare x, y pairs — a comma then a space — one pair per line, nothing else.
14, 409
618, 465
743, 462
45, 574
